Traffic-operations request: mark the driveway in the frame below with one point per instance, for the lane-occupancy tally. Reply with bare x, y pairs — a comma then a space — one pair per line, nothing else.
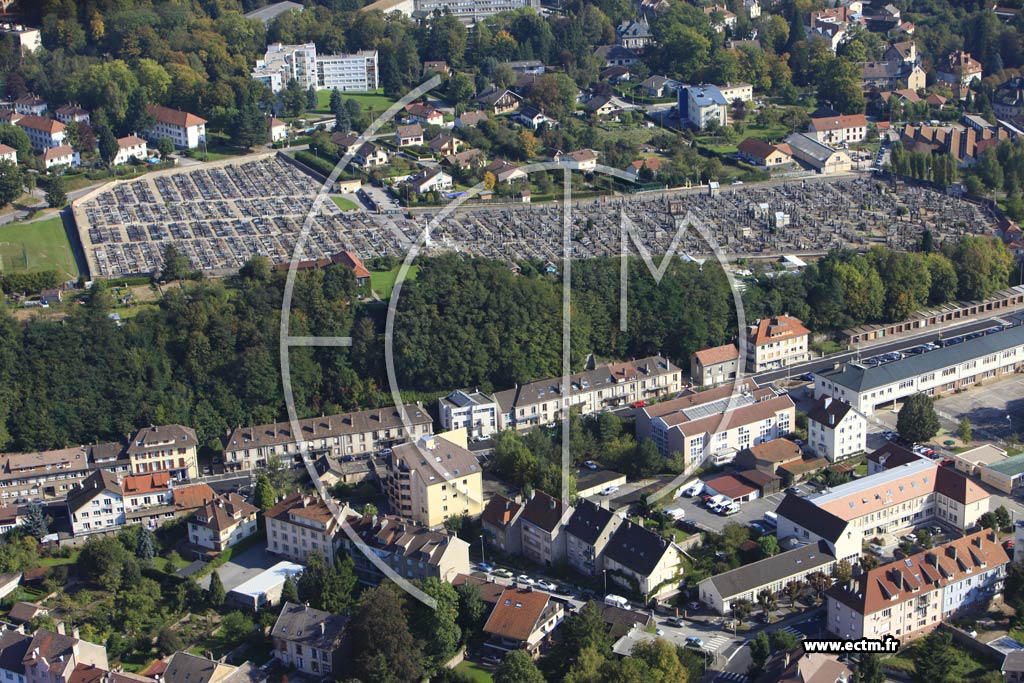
243, 567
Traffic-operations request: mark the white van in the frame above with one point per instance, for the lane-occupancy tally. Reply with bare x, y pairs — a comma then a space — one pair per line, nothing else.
771, 518
616, 601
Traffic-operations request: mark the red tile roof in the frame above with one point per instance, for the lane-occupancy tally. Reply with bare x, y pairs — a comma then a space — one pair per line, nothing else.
773, 329
145, 483
839, 122
190, 497
51, 126
717, 354
516, 614
174, 117
349, 258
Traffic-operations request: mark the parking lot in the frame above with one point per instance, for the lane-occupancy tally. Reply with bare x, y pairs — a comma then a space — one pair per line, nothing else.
753, 511
243, 567
987, 407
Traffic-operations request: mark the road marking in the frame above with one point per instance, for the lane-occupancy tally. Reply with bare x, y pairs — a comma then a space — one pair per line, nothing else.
731, 677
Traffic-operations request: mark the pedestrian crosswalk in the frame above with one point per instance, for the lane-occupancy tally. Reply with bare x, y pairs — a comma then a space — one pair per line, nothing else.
715, 643
731, 677
790, 629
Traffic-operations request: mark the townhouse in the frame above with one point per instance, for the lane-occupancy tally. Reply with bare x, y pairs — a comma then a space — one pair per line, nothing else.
720, 592
543, 523
522, 619
933, 373
299, 525
499, 523
96, 505
409, 550
311, 640
587, 535
894, 500
128, 148
42, 133
908, 598
835, 429
776, 342
185, 130
433, 479
164, 448
643, 562
716, 423
223, 522
357, 434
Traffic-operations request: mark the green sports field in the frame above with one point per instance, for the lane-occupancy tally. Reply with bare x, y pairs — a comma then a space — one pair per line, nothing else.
42, 245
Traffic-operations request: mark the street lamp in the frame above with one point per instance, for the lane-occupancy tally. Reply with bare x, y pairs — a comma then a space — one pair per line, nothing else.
482, 558
604, 573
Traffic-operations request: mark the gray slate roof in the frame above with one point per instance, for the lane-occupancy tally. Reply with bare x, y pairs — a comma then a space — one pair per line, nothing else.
302, 624
771, 569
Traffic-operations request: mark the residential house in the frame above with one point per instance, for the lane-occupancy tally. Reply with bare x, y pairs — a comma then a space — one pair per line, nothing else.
425, 114
97, 505
769, 456
439, 67
797, 666
616, 55
299, 525
522, 619
369, 155
744, 92
614, 75
165, 448
406, 136
147, 490
185, 130
128, 148
694, 424
43, 133
350, 260
776, 342
699, 105
408, 550
470, 118
634, 34
444, 144
505, 172
721, 17
584, 160
709, 367
543, 522
475, 411
497, 101
753, 8
532, 117
278, 129
643, 562
763, 154
8, 154
832, 35
720, 592
890, 455
30, 105
225, 521
52, 657
55, 157
10, 517
311, 640
348, 143
601, 105
71, 112
358, 433
839, 130
641, 168
886, 75
430, 180
433, 479
13, 648
589, 530
183, 667
1008, 99
658, 86
24, 612
959, 70
836, 430
500, 524
908, 598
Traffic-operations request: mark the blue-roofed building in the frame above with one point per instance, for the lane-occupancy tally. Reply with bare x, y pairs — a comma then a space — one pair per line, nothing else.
700, 104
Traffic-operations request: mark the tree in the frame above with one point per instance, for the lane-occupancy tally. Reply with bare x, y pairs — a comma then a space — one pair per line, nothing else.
169, 641
236, 626
265, 496
55, 194
15, 137
293, 99
518, 667
489, 180
1002, 517
472, 610
983, 266
11, 182
935, 659
108, 144
917, 421
437, 628
384, 650
963, 430
165, 146
176, 264
290, 593
783, 640
989, 521
844, 571
767, 600
741, 609
661, 661
528, 144
760, 650
145, 549
793, 590
769, 545
35, 524
215, 594
312, 101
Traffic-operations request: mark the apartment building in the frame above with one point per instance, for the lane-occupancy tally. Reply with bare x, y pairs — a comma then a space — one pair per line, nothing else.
147, 490
410, 550
223, 522
933, 373
43, 133
25, 37
30, 105
283, 63
543, 525
776, 342
839, 130
908, 598
433, 479
702, 104
71, 112
360, 433
52, 657
50, 475
836, 430
164, 448
500, 524
606, 385
97, 505
959, 70
773, 573
63, 155
185, 130
587, 535
641, 561
475, 411
128, 148
299, 525
889, 502
467, 11
717, 365
311, 640
356, 72
716, 423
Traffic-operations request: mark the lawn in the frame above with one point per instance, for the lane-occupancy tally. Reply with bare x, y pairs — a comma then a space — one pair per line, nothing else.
42, 245
55, 561
370, 101
382, 282
474, 672
344, 204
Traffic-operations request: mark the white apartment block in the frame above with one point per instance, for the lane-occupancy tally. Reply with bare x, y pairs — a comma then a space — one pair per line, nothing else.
475, 412
359, 433
717, 423
356, 72
744, 92
284, 63
60, 156
27, 38
185, 130
836, 430
934, 372
839, 130
890, 502
467, 11
128, 148
43, 133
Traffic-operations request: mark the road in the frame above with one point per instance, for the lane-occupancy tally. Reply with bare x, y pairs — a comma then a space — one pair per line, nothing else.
901, 344
810, 624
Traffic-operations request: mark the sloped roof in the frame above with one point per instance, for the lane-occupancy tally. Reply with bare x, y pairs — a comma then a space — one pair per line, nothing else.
500, 511
588, 521
828, 411
544, 511
517, 613
637, 548
174, 117
100, 481
748, 577
819, 522
51, 126
717, 354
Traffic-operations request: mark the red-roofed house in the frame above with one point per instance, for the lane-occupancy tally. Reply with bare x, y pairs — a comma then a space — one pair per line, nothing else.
763, 154
222, 523
959, 70
834, 130
776, 342
350, 260
500, 524
43, 133
63, 155
144, 490
709, 367
8, 154
278, 129
522, 620
185, 130
128, 148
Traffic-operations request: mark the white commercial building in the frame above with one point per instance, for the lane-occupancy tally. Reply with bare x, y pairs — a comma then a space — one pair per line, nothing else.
284, 63
836, 430
934, 372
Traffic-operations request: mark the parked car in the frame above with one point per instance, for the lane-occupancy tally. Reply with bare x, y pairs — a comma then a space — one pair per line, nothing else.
609, 490
934, 529
502, 573
563, 590
525, 580
877, 549
674, 622
694, 642
910, 538
640, 404
590, 465
546, 586
484, 567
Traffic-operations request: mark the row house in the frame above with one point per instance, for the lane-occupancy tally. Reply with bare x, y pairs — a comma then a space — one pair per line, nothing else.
908, 598
393, 547
165, 448
360, 433
499, 523
542, 525
961, 142
433, 479
643, 562
587, 535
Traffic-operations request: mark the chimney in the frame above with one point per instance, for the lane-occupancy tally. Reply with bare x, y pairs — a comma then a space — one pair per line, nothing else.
323, 628
785, 660
60, 627
74, 632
